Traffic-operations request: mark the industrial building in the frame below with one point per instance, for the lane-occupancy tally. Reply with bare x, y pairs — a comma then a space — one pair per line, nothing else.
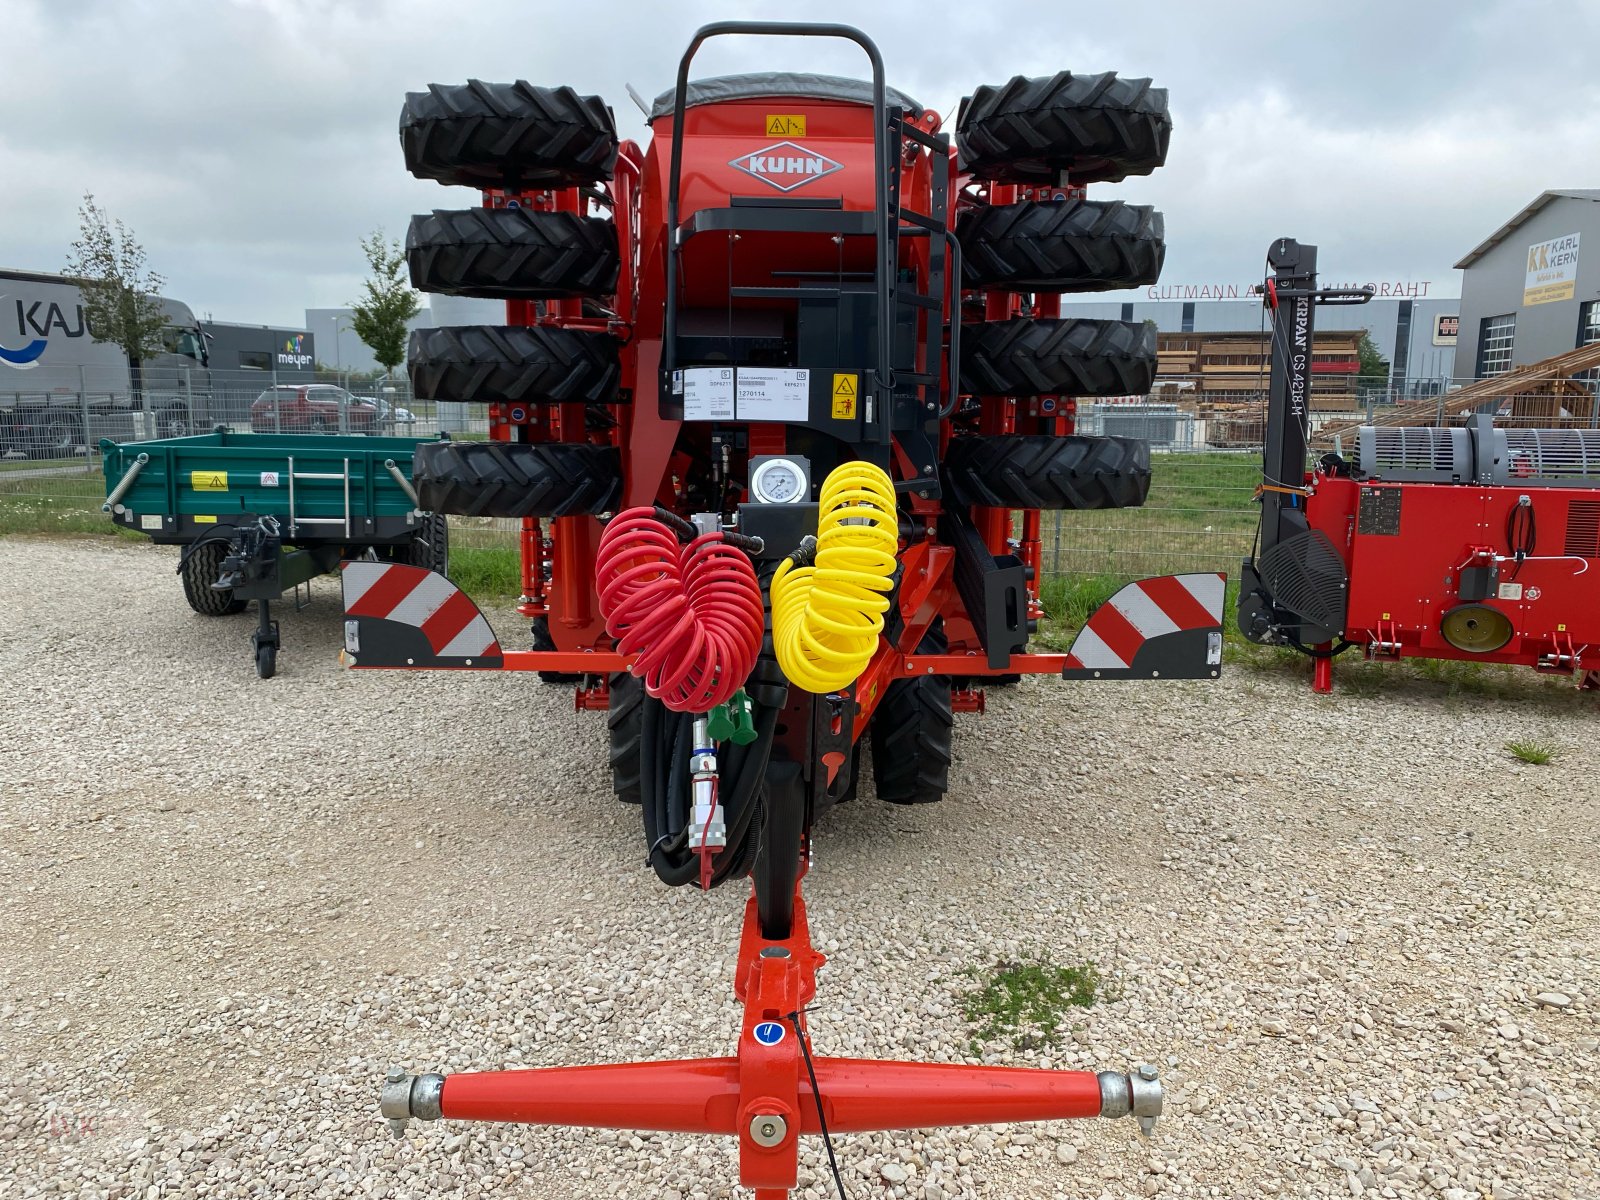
1527, 293
1411, 328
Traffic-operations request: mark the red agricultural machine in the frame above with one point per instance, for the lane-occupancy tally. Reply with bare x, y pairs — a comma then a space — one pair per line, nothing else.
1467, 542
778, 402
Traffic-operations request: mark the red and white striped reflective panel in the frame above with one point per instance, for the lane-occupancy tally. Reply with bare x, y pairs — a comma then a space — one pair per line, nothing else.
1148, 608
423, 599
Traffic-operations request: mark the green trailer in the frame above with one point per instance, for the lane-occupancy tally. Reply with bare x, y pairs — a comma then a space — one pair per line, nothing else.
260, 514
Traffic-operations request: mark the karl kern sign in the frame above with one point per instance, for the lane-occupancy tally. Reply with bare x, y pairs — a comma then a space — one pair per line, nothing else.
1445, 329
1552, 271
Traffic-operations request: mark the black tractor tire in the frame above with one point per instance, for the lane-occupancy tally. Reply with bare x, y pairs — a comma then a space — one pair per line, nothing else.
625, 727
430, 545
1096, 128
505, 479
513, 254
199, 571
1061, 246
1040, 471
539, 639
507, 135
1064, 356
514, 364
911, 734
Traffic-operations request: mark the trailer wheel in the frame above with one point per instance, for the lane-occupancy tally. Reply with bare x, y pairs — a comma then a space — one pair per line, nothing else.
510, 135
199, 568
430, 545
1040, 471
625, 726
1096, 128
540, 639
1058, 357
510, 479
911, 733
514, 364
1061, 245
513, 254
266, 661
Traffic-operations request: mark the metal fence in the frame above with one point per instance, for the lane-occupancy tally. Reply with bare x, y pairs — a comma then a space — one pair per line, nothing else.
1200, 514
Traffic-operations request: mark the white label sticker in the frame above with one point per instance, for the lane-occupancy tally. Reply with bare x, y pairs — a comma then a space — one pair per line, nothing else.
1510, 591
708, 394
774, 394
150, 521
269, 479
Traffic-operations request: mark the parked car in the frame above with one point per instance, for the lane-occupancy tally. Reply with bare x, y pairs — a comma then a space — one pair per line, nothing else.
312, 408
392, 414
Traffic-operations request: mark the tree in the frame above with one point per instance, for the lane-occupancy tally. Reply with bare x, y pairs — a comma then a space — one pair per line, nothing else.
120, 293
1373, 373
380, 321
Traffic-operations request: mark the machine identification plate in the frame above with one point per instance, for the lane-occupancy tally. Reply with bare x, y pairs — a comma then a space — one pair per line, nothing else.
208, 481
707, 393
1379, 511
773, 393
150, 521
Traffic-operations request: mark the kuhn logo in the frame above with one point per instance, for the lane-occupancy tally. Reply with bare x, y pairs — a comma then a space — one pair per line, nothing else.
35, 323
786, 166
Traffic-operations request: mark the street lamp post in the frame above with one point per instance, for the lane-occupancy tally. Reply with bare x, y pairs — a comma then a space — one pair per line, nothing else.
339, 326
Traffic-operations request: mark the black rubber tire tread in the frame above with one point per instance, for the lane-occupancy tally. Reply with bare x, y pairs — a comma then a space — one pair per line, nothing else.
516, 135
539, 639
430, 545
200, 571
266, 661
514, 364
1041, 471
1061, 245
512, 254
1065, 356
625, 726
504, 479
1097, 128
911, 733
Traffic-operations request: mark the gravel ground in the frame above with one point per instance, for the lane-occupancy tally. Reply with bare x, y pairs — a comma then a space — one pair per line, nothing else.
1360, 940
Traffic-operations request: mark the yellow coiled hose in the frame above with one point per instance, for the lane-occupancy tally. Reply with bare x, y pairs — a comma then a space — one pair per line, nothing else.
826, 616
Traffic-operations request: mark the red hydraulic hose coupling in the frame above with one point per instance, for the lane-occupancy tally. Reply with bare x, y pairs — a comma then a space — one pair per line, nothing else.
691, 614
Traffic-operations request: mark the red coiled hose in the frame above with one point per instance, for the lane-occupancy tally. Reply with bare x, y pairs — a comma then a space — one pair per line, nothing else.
691, 614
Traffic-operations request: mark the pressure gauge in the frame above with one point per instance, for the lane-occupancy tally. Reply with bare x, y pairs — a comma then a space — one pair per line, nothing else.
779, 480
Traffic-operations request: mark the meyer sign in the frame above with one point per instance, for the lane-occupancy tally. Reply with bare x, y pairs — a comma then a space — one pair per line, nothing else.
1552, 271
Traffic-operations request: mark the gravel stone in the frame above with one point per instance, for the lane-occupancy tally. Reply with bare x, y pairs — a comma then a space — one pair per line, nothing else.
232, 904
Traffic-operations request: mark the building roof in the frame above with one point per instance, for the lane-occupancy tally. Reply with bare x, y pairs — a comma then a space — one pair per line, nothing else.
1510, 227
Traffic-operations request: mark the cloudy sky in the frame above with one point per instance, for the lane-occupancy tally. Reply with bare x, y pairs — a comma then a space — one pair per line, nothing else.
251, 143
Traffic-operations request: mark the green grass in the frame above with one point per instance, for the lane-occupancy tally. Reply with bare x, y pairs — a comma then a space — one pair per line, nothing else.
1026, 1002
487, 573
1536, 753
37, 464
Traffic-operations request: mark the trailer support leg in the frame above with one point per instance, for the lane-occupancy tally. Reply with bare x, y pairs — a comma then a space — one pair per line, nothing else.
1322, 673
265, 641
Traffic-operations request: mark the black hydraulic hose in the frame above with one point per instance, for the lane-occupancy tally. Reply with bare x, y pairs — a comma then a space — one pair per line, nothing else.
666, 798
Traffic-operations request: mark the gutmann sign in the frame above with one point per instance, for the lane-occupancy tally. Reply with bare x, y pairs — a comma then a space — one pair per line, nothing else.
1397, 289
